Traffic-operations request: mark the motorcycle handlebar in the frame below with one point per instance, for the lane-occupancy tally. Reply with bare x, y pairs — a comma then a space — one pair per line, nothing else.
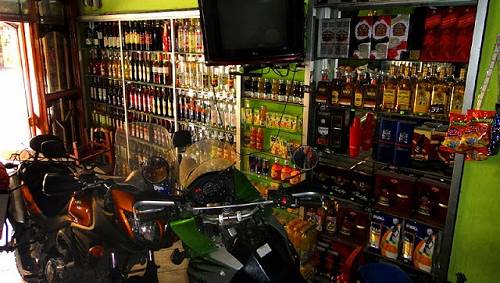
244, 210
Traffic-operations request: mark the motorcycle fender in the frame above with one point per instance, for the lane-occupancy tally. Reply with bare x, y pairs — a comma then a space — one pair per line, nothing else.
123, 202
17, 208
4, 199
81, 212
30, 201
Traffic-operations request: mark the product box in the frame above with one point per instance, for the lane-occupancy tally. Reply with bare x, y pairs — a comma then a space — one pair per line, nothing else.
385, 235
464, 31
334, 38
361, 37
394, 192
398, 39
404, 139
323, 122
431, 48
421, 143
353, 224
380, 37
431, 199
418, 244
447, 33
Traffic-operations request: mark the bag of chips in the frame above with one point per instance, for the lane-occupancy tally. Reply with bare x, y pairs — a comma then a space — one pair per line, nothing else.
476, 136
453, 139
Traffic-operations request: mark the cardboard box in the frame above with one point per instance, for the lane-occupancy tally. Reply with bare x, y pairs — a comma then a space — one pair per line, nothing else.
380, 37
334, 38
385, 235
418, 244
361, 37
398, 39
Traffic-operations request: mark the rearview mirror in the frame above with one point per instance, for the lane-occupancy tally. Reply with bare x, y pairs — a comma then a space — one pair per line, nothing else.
305, 158
55, 184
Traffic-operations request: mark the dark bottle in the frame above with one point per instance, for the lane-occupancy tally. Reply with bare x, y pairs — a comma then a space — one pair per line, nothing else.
346, 96
170, 107
359, 91
371, 94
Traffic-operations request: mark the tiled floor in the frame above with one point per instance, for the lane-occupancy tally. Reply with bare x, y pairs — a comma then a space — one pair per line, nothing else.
168, 272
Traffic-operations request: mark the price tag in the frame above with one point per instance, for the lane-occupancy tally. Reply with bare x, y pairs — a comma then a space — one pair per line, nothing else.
264, 250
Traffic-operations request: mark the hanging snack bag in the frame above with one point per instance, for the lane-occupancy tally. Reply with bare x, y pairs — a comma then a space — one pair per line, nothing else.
453, 139
478, 133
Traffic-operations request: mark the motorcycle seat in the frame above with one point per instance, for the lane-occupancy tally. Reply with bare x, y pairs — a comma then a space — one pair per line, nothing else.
32, 174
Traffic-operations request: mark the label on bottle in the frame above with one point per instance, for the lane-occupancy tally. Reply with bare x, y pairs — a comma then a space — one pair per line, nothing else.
346, 97
331, 224
335, 97
457, 101
358, 99
404, 99
389, 97
88, 41
422, 101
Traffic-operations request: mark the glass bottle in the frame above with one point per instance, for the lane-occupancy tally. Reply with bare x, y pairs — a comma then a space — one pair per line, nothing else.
389, 91
423, 93
439, 99
370, 100
359, 91
346, 95
457, 97
404, 96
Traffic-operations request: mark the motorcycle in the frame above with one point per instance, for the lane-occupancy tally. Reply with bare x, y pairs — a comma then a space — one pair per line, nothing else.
226, 227
70, 225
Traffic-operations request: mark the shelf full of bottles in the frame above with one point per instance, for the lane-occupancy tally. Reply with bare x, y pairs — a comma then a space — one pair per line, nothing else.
271, 128
154, 71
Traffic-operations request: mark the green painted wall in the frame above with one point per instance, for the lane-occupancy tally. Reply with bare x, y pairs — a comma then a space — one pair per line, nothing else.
476, 244
128, 6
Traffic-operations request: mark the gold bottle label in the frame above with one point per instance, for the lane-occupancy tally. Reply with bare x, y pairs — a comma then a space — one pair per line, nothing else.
388, 99
404, 99
457, 101
358, 99
422, 102
335, 97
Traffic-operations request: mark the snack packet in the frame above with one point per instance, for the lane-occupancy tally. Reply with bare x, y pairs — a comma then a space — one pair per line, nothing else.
453, 139
478, 133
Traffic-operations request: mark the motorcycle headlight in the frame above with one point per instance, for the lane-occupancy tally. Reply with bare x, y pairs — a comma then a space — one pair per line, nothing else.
145, 231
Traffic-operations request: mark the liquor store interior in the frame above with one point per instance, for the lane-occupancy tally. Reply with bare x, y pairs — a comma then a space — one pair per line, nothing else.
319, 141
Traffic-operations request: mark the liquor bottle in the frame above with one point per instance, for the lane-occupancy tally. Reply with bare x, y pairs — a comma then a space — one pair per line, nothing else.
282, 91
148, 68
337, 83
166, 36
167, 70
170, 108
423, 93
148, 36
105, 35
389, 91
359, 91
185, 36
404, 94
457, 97
439, 99
142, 35
199, 37
89, 40
179, 39
346, 96
370, 100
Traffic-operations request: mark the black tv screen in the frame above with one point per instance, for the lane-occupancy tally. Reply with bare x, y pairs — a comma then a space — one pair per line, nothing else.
252, 31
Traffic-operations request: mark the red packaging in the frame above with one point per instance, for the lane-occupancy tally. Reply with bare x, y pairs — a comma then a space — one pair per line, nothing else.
477, 134
361, 37
447, 34
464, 31
367, 128
453, 139
355, 137
398, 40
430, 48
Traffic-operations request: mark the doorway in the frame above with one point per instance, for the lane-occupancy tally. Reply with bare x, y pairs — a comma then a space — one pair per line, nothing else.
14, 125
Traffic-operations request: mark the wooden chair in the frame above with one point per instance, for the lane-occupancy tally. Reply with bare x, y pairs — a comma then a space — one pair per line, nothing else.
98, 148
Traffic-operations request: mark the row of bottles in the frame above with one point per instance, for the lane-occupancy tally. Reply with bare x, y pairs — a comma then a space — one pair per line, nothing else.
433, 90
106, 91
188, 36
148, 67
275, 90
277, 171
146, 35
153, 100
107, 117
201, 133
104, 63
207, 108
191, 72
137, 123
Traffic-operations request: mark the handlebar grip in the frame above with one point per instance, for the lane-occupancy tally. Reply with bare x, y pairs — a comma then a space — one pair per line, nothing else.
10, 165
313, 203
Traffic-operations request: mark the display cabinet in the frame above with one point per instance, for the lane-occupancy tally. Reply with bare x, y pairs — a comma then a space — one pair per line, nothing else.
386, 76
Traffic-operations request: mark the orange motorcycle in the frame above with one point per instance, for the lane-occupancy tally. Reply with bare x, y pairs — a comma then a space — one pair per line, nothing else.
69, 225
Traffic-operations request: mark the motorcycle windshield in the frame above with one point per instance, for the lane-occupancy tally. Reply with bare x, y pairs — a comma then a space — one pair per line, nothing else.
203, 157
145, 140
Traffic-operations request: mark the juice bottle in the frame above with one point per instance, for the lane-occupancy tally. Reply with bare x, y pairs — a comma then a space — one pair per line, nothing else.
295, 175
276, 170
259, 142
285, 171
253, 137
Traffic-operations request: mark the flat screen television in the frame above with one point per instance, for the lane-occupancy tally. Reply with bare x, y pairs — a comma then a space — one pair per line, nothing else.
237, 32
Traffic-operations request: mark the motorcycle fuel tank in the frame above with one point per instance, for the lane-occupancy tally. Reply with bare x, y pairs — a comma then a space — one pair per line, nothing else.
80, 210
